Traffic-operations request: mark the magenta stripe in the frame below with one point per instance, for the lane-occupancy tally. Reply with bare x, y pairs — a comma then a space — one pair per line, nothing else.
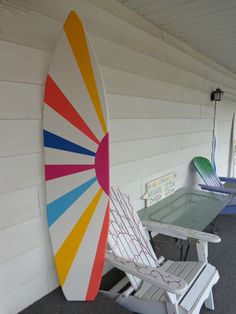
57, 171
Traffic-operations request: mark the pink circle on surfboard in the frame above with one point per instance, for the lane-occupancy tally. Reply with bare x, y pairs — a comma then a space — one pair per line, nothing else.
102, 163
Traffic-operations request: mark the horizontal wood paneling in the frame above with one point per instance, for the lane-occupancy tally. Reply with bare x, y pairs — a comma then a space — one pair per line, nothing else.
18, 207
121, 82
23, 64
20, 172
96, 20
195, 96
133, 189
223, 132
138, 32
195, 139
30, 29
110, 26
136, 189
207, 112
225, 110
20, 298
131, 129
52, 278
16, 272
117, 56
222, 153
137, 150
123, 174
23, 137
106, 50
20, 101
198, 125
121, 106
123, 152
185, 174
22, 238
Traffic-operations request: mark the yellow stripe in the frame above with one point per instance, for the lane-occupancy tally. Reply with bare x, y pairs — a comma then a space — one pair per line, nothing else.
67, 252
76, 37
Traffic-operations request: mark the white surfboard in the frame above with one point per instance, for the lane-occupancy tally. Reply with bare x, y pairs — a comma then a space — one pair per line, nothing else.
76, 146
232, 150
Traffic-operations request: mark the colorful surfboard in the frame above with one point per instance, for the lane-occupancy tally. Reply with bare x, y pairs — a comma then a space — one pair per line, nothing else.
76, 150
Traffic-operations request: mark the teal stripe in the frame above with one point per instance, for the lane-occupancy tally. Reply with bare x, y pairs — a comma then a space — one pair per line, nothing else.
56, 208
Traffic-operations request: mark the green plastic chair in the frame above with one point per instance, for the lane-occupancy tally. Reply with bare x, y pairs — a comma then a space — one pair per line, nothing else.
214, 183
206, 171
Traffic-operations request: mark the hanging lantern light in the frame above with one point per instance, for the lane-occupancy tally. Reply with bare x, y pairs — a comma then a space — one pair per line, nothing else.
217, 95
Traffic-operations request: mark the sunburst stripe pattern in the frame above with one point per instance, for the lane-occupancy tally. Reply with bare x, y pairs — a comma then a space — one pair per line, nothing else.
66, 254
56, 188
95, 278
75, 34
85, 257
76, 142
63, 226
57, 171
55, 99
56, 208
54, 141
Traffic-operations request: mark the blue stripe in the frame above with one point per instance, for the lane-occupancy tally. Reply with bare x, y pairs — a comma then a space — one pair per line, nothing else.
56, 208
54, 141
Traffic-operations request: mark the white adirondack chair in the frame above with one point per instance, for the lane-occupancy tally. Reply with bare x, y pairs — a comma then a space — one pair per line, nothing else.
157, 286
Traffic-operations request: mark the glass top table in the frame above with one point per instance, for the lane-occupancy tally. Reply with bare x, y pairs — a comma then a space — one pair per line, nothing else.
186, 207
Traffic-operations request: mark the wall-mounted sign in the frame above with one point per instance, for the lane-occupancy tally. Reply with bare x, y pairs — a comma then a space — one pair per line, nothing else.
160, 188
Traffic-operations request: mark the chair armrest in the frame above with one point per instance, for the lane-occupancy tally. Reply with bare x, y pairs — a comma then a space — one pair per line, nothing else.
153, 275
217, 189
180, 232
227, 179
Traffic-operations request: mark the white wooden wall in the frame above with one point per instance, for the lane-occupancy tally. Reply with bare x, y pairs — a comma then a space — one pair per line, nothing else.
160, 118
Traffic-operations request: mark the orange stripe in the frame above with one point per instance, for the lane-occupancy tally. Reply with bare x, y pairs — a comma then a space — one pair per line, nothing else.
67, 252
96, 275
76, 37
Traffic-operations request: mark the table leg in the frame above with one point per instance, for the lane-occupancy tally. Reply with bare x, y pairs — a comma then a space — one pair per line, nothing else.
151, 240
183, 255
186, 251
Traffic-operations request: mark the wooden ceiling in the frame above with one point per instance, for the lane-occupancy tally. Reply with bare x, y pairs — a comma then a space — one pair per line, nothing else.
208, 26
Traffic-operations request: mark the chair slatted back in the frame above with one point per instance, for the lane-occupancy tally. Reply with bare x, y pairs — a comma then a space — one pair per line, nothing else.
206, 171
127, 237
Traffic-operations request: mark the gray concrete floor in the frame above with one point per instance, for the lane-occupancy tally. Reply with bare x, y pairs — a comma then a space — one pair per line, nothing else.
55, 303
222, 255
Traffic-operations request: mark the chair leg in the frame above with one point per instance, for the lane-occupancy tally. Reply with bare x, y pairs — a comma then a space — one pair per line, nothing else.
172, 308
209, 303
171, 304
214, 229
